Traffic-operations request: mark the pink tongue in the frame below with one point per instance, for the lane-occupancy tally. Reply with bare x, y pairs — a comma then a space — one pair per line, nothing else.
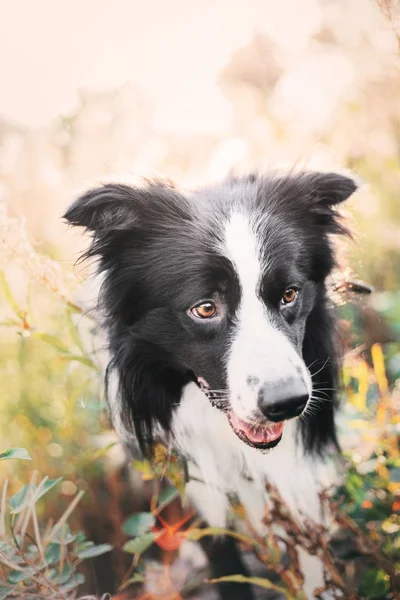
263, 434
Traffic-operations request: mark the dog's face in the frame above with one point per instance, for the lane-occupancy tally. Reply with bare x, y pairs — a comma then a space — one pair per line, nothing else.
219, 287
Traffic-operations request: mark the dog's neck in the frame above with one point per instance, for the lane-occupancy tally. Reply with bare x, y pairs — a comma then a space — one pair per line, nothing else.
217, 457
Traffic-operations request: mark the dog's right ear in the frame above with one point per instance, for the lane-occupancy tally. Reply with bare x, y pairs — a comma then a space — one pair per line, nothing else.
110, 207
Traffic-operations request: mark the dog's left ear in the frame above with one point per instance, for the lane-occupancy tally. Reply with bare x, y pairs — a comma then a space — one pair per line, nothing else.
330, 189
102, 208
114, 207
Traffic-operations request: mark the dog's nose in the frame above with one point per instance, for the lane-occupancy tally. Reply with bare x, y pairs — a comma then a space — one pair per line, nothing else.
279, 403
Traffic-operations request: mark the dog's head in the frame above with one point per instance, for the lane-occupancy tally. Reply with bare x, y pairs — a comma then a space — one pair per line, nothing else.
224, 286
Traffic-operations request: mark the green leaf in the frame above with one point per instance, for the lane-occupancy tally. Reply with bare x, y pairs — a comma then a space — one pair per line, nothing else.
197, 534
375, 584
83, 545
15, 576
93, 551
20, 453
50, 483
168, 495
66, 574
354, 485
7, 549
73, 583
140, 544
21, 499
260, 581
138, 524
52, 553
81, 537
137, 578
145, 468
64, 536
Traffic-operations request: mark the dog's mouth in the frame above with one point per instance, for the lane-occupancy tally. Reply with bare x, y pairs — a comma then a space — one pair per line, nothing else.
262, 437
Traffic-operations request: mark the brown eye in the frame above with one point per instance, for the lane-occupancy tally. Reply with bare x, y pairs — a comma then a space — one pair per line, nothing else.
289, 296
205, 310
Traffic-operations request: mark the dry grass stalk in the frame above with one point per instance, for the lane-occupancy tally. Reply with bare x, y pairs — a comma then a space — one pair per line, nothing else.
314, 539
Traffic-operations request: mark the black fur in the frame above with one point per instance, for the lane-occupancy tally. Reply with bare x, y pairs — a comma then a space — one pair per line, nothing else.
225, 559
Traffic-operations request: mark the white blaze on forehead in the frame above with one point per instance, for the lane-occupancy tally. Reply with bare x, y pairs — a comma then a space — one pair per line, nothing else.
243, 250
259, 352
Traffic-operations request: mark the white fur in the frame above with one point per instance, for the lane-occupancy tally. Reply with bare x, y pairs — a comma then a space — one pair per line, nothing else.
259, 350
217, 457
225, 463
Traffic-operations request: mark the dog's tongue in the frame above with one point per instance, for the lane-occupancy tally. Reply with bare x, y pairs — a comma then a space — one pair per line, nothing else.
262, 434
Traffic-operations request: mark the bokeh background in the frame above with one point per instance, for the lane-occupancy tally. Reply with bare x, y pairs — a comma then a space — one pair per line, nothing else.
188, 90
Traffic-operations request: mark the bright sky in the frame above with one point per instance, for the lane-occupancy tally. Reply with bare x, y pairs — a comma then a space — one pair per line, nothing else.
170, 49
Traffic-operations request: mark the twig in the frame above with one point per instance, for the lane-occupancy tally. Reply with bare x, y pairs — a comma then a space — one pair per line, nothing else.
64, 517
312, 537
3, 510
37, 533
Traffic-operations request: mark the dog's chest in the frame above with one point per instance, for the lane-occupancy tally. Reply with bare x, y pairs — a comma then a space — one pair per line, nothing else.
221, 466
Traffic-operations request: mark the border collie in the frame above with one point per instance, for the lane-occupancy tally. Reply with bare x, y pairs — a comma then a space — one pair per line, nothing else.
222, 337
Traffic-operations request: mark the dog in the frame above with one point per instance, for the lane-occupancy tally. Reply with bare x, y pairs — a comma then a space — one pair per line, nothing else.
222, 336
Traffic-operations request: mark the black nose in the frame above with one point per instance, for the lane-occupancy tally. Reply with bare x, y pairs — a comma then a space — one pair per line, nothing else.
283, 402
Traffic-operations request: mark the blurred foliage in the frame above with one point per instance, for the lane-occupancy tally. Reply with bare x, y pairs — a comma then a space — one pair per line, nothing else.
40, 561
49, 379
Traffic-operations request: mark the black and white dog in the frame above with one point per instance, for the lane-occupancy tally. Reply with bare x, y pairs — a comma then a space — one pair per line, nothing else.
221, 336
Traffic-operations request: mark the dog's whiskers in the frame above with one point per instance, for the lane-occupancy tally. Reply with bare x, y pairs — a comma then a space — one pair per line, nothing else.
319, 399
218, 398
314, 404
319, 370
310, 410
320, 392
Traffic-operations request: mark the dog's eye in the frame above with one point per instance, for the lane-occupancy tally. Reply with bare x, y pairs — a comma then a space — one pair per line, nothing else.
289, 296
205, 310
